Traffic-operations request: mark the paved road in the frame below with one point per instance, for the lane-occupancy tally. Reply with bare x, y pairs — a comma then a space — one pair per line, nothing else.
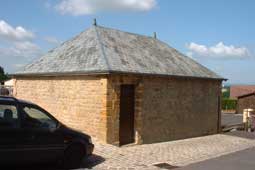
241, 160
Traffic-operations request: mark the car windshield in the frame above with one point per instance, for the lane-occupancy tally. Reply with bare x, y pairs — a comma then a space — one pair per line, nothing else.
37, 118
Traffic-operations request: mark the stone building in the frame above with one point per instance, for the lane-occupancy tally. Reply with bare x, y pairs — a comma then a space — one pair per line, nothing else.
246, 101
124, 88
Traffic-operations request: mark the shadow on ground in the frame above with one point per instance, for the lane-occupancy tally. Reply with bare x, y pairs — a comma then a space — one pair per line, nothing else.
92, 161
88, 163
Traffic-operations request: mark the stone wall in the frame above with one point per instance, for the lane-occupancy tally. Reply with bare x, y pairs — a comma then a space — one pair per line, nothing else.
245, 103
166, 108
179, 108
77, 101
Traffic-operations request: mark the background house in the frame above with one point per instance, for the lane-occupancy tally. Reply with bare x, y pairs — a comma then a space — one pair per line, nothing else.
6, 87
246, 101
124, 88
239, 90
9, 82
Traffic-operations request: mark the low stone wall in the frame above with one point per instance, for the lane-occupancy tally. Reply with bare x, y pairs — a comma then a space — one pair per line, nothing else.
77, 101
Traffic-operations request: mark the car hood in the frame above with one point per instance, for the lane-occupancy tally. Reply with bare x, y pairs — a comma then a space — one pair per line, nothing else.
74, 133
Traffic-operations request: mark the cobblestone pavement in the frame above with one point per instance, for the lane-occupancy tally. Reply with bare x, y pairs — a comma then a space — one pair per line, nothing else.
176, 153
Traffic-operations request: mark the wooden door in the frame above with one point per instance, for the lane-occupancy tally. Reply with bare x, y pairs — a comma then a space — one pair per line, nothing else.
127, 109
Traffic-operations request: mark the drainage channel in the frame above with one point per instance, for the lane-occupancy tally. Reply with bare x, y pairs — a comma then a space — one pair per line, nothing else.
165, 166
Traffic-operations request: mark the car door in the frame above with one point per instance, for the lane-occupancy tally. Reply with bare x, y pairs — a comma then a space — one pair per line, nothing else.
43, 138
10, 134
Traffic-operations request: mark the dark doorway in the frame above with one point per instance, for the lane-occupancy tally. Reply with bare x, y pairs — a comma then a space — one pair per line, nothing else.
127, 109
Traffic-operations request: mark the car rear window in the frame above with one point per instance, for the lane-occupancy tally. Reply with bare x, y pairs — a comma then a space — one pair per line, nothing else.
8, 115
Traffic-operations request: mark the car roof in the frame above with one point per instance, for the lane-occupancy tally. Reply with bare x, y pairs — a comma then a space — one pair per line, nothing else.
8, 98
13, 99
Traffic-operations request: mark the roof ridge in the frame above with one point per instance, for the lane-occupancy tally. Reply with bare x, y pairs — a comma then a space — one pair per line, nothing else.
131, 33
102, 48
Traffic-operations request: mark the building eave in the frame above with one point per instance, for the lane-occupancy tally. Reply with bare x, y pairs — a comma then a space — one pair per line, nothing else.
111, 72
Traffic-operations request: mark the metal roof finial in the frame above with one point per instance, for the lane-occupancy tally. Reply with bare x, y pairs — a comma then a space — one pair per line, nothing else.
95, 22
155, 35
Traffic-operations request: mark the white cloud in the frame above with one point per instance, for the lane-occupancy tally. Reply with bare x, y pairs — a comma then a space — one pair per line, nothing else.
14, 34
218, 51
52, 40
86, 7
18, 66
21, 49
18, 54
16, 46
26, 49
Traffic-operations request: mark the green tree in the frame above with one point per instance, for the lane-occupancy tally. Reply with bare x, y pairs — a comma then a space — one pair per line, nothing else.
226, 92
229, 104
3, 76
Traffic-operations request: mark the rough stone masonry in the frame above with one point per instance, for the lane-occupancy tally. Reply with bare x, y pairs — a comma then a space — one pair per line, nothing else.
165, 108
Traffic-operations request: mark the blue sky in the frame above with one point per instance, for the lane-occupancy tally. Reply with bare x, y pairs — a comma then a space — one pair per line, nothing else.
219, 34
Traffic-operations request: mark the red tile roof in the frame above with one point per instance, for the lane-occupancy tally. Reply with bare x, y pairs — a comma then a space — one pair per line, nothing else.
240, 90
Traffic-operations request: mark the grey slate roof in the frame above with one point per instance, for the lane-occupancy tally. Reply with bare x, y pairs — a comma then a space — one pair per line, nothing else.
105, 50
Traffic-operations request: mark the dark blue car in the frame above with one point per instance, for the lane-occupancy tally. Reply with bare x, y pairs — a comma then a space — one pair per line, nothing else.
29, 134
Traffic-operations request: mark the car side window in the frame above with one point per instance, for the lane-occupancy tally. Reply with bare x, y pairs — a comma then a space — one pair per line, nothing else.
8, 116
35, 118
